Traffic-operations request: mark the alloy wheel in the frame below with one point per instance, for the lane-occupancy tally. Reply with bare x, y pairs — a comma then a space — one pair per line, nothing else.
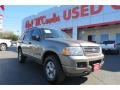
50, 70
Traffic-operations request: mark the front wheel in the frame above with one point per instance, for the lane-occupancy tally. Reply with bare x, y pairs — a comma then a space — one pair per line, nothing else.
53, 70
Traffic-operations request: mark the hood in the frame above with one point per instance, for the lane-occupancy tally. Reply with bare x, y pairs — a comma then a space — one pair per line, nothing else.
71, 42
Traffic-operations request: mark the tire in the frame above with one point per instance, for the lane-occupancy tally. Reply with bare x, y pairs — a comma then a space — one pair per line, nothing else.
53, 70
3, 47
21, 57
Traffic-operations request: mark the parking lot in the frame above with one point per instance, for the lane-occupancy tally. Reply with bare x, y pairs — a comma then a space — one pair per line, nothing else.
14, 73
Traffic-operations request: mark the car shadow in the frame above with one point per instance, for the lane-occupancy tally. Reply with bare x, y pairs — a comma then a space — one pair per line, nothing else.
111, 63
74, 80
30, 73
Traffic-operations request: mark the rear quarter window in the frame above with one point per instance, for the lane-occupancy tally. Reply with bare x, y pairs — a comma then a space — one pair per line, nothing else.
27, 35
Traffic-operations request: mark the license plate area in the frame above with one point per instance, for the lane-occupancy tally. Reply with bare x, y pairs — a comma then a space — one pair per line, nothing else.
96, 67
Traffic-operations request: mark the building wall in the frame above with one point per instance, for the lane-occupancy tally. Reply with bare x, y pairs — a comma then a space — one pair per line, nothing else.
111, 30
106, 14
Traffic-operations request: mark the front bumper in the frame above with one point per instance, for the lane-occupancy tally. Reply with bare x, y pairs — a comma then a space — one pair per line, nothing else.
71, 68
73, 71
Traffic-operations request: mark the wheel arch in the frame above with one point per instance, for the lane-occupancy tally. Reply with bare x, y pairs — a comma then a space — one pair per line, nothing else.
4, 43
48, 53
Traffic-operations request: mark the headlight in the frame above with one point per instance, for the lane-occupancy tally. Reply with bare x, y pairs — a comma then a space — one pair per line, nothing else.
73, 51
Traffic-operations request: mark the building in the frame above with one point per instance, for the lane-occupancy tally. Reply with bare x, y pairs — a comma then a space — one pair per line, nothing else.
87, 22
1, 23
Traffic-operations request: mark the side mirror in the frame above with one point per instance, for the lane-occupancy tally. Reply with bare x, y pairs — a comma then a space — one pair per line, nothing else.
36, 38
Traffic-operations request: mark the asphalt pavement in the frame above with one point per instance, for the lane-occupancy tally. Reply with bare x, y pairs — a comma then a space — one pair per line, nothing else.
30, 73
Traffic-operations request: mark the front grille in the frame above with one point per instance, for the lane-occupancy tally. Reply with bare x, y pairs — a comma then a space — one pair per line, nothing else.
90, 50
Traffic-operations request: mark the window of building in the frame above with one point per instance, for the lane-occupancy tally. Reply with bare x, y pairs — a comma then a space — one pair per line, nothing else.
92, 38
118, 37
104, 37
69, 32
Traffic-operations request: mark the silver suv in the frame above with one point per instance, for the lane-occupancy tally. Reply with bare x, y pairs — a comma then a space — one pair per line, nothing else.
59, 54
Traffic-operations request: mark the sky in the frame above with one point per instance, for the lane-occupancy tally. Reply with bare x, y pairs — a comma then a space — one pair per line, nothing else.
13, 15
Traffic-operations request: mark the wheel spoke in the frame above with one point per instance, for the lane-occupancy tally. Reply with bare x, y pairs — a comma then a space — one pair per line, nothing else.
50, 70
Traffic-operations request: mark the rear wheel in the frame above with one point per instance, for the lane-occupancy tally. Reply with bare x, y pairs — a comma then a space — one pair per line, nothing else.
21, 57
3, 47
53, 70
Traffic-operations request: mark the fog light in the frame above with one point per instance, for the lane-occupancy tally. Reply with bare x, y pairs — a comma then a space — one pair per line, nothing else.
81, 64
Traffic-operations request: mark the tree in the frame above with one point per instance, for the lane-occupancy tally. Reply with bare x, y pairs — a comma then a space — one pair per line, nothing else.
8, 35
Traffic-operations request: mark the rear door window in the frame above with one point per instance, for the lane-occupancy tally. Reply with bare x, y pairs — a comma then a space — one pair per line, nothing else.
36, 32
27, 35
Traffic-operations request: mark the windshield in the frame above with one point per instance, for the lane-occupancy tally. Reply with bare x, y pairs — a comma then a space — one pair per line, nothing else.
49, 33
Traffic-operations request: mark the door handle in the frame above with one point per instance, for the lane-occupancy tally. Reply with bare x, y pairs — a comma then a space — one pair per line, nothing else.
29, 42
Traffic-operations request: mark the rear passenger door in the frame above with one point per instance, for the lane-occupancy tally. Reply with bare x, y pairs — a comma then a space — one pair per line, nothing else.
26, 42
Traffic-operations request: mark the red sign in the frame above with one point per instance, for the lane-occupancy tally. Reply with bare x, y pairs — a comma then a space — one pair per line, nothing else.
95, 11
116, 6
2, 7
81, 11
29, 24
42, 20
72, 13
